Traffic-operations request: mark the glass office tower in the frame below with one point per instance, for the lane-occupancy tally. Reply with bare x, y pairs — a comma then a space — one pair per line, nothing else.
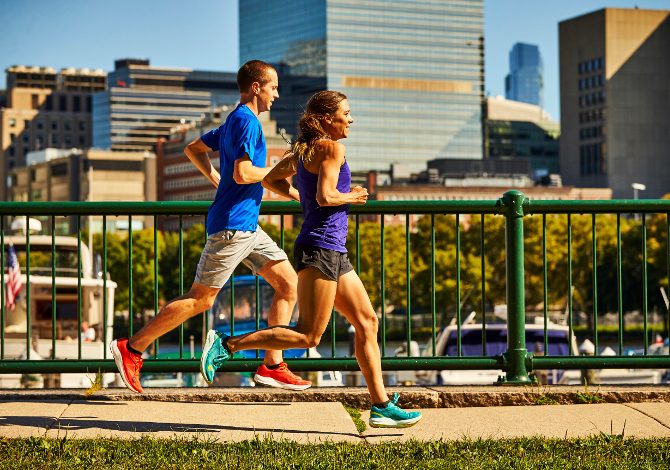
524, 82
413, 71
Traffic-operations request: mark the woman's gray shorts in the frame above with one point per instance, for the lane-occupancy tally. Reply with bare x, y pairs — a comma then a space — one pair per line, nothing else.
226, 249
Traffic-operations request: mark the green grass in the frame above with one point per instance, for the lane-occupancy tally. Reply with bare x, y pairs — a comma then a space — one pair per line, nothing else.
602, 452
356, 418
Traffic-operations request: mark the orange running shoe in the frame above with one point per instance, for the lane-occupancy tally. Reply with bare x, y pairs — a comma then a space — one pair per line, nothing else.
128, 363
281, 377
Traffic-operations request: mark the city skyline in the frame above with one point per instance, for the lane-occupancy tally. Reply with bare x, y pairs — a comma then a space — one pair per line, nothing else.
171, 44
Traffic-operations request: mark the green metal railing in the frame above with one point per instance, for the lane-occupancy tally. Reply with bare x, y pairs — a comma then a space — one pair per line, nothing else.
517, 362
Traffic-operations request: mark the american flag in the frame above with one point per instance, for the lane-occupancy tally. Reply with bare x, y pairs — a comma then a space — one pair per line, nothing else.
14, 282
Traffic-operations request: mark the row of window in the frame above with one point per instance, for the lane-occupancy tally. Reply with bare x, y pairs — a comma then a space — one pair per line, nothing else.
185, 183
53, 140
67, 124
593, 115
591, 82
61, 103
590, 132
187, 168
591, 99
588, 66
592, 160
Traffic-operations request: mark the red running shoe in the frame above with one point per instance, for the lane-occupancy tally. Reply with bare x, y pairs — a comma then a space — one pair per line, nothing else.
128, 363
281, 377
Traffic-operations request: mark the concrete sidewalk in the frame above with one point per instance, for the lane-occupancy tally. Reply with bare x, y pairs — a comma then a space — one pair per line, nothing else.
310, 421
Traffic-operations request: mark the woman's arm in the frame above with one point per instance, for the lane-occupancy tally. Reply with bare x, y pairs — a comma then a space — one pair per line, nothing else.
327, 193
277, 179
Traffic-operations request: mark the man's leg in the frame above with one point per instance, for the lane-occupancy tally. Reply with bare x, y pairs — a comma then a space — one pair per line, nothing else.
127, 353
198, 299
222, 253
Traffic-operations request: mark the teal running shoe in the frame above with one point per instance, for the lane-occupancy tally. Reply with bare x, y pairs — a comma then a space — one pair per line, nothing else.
393, 416
214, 355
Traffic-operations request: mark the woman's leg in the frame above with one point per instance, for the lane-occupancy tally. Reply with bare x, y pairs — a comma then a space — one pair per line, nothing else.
353, 302
315, 300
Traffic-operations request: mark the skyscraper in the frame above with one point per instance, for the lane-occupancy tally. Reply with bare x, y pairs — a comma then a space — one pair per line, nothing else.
524, 82
615, 100
142, 102
413, 72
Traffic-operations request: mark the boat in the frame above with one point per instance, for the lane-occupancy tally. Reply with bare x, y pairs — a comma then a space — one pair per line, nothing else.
65, 281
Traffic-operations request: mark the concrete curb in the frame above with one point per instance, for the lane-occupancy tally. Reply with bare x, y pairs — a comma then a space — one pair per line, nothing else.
357, 397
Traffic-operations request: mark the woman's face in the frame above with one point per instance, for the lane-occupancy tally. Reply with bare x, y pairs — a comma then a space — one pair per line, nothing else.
337, 124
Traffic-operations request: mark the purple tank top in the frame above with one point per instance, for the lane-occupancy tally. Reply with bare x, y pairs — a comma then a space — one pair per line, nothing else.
323, 227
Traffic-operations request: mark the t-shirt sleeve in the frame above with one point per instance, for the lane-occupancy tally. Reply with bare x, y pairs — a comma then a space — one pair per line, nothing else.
211, 138
247, 138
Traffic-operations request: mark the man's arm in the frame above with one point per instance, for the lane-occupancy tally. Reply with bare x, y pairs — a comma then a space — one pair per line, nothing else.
277, 179
196, 151
244, 172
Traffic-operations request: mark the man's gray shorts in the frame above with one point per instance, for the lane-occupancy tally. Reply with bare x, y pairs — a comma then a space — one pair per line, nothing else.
226, 249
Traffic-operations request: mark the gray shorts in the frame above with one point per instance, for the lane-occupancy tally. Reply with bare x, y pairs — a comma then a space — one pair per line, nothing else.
226, 249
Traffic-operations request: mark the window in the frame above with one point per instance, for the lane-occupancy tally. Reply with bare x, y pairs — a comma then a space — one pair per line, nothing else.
26, 124
49, 105
39, 125
76, 104
82, 125
62, 103
67, 125
54, 125
26, 138
35, 101
10, 150
59, 169
12, 137
88, 104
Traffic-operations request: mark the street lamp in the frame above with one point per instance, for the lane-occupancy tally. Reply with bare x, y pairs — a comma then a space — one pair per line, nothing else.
637, 187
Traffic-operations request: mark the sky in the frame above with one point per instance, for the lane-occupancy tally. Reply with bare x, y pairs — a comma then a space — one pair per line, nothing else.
203, 34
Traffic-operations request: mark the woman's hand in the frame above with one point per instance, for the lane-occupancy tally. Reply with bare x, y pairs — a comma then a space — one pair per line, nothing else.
359, 195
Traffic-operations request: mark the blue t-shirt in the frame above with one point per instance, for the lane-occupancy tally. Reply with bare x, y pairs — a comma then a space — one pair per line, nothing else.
236, 206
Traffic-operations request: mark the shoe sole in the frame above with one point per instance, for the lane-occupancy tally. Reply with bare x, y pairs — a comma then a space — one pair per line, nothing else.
211, 337
260, 379
390, 423
119, 365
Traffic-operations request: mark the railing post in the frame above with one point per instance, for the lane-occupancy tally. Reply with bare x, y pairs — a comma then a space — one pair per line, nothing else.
516, 359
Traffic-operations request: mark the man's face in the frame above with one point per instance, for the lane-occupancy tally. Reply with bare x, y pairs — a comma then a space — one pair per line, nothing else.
268, 92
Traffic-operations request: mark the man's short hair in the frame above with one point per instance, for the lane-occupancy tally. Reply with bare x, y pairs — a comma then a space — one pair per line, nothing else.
253, 71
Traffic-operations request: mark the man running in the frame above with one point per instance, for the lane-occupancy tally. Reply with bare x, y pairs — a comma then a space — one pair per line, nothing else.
235, 236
